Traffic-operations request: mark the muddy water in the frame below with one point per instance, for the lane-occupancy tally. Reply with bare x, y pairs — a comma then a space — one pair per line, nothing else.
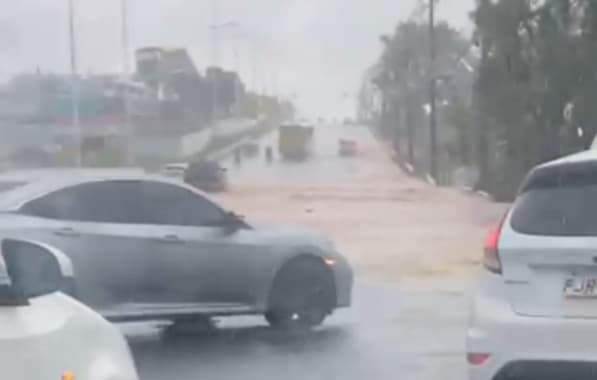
386, 222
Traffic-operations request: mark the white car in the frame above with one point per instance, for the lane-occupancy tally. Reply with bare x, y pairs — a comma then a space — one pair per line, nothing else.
149, 248
534, 310
45, 334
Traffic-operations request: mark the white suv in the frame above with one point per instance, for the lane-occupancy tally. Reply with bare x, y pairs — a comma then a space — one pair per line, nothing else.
45, 334
534, 311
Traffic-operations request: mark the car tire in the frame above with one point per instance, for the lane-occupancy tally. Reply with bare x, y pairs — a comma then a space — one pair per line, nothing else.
302, 295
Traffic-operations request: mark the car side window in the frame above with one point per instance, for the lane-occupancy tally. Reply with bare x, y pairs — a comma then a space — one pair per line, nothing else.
98, 202
166, 204
56, 205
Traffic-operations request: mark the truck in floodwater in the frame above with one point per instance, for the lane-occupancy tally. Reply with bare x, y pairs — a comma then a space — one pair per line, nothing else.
295, 141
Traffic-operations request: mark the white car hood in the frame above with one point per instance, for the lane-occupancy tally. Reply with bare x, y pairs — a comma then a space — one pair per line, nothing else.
55, 334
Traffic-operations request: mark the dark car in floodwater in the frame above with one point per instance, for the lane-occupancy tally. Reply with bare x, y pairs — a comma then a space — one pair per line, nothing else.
206, 175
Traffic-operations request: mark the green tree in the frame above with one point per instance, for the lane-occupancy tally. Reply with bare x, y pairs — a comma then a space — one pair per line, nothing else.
539, 61
403, 80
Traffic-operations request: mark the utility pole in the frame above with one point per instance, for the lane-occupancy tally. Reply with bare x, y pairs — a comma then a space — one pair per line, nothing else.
237, 69
406, 117
410, 135
254, 66
396, 115
215, 50
255, 77
432, 95
130, 156
237, 65
76, 122
484, 182
275, 78
215, 29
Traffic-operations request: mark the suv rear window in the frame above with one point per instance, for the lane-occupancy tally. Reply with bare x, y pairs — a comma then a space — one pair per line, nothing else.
558, 202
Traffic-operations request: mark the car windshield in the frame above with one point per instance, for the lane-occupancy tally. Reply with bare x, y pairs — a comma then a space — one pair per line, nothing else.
420, 177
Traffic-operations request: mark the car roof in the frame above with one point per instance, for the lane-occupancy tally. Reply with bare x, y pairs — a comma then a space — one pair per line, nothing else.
26, 175
586, 156
559, 168
11, 200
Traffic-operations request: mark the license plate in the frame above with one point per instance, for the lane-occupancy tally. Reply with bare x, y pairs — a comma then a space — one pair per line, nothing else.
580, 287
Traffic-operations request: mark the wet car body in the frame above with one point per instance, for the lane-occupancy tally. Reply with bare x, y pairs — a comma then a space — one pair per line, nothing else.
49, 328
539, 282
148, 248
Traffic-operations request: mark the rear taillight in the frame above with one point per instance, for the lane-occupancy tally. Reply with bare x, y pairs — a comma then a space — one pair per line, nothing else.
477, 359
491, 257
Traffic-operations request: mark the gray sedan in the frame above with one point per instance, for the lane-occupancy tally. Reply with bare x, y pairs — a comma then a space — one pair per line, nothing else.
148, 248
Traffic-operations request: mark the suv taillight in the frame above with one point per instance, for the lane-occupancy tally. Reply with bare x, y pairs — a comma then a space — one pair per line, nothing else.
491, 257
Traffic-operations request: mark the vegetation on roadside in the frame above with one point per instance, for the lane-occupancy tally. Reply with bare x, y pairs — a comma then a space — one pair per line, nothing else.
524, 89
402, 77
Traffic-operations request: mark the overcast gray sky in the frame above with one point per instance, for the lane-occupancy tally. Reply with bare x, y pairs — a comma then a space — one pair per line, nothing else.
317, 49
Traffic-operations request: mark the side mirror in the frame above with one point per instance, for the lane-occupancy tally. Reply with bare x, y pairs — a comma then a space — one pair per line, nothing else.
34, 270
233, 222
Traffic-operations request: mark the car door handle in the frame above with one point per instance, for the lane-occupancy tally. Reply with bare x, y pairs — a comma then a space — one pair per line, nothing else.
67, 232
171, 239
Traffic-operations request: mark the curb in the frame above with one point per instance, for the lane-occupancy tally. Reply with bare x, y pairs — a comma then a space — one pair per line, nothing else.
479, 193
430, 180
409, 168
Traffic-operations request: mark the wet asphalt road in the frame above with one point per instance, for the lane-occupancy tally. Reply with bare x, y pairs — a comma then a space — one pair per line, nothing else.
390, 332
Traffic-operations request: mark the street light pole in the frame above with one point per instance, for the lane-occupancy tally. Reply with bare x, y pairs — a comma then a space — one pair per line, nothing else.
130, 157
76, 122
432, 95
258, 91
236, 65
277, 81
254, 66
215, 29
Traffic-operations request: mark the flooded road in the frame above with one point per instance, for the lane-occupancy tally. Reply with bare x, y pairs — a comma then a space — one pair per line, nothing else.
325, 166
414, 249
388, 223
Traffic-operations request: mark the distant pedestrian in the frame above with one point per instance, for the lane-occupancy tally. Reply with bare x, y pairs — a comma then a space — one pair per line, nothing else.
269, 154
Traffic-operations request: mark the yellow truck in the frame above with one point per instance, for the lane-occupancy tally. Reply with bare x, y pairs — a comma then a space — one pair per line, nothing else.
295, 141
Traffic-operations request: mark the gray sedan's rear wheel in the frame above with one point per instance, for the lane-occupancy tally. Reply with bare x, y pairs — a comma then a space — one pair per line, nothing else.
302, 295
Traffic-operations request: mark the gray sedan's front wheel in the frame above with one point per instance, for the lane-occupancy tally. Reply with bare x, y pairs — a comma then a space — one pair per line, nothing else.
302, 295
